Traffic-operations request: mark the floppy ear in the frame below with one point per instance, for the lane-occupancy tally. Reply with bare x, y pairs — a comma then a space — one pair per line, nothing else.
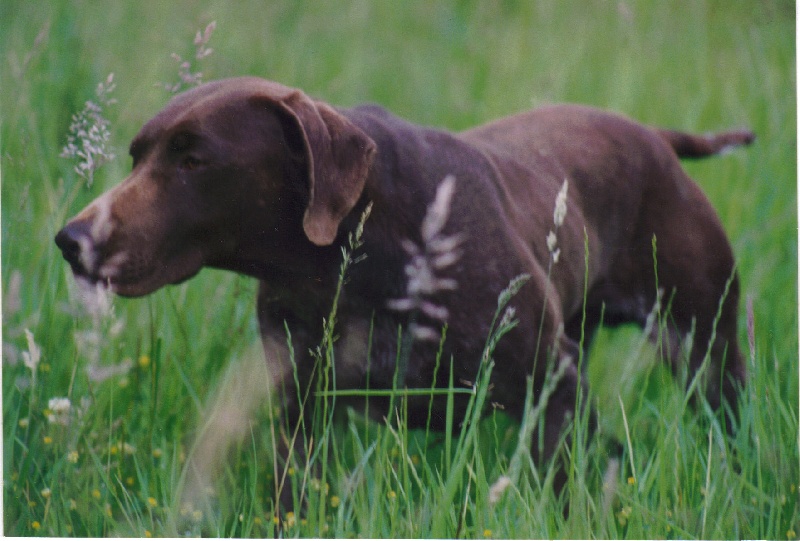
338, 155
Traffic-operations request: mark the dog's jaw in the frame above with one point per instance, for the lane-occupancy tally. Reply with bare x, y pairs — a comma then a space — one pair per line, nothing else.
100, 254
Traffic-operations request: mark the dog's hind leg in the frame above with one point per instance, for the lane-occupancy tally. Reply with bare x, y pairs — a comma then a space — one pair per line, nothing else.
706, 342
696, 271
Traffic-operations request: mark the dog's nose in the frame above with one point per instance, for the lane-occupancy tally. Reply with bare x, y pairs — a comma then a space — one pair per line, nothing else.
71, 240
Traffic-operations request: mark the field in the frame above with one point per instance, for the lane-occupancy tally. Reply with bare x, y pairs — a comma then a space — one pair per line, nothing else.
107, 406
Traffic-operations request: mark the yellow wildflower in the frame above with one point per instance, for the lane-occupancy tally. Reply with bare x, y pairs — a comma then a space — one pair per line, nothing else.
624, 514
35, 525
144, 361
335, 501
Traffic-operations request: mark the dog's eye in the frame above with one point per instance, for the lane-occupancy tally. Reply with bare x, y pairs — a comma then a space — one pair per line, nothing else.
190, 163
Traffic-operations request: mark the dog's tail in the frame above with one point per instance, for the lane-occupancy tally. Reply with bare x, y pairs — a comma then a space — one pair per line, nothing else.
687, 145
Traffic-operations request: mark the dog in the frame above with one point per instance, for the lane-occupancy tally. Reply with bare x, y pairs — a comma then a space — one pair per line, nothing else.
593, 209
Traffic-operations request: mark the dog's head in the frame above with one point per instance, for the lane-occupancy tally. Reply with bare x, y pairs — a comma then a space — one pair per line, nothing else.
223, 167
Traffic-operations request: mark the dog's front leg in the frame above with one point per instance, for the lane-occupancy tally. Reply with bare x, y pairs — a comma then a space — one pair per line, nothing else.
291, 396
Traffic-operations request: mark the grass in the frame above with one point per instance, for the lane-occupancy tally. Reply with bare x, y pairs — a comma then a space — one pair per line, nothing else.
120, 464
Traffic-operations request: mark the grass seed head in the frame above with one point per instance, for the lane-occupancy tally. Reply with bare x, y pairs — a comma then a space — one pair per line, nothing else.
435, 254
560, 210
186, 76
31, 357
497, 490
89, 134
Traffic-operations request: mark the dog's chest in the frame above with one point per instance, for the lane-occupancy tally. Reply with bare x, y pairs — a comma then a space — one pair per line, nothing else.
351, 351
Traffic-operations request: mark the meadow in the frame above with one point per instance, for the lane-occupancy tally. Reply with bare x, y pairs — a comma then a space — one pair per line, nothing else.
104, 403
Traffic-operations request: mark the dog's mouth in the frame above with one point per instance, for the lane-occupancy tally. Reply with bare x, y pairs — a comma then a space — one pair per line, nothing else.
129, 273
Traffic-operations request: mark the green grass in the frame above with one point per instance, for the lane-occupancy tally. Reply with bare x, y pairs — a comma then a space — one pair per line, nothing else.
120, 464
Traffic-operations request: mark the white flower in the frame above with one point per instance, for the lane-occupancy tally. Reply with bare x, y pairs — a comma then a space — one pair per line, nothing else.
59, 411
59, 405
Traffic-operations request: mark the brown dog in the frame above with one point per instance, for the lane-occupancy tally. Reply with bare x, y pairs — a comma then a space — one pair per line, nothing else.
251, 176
